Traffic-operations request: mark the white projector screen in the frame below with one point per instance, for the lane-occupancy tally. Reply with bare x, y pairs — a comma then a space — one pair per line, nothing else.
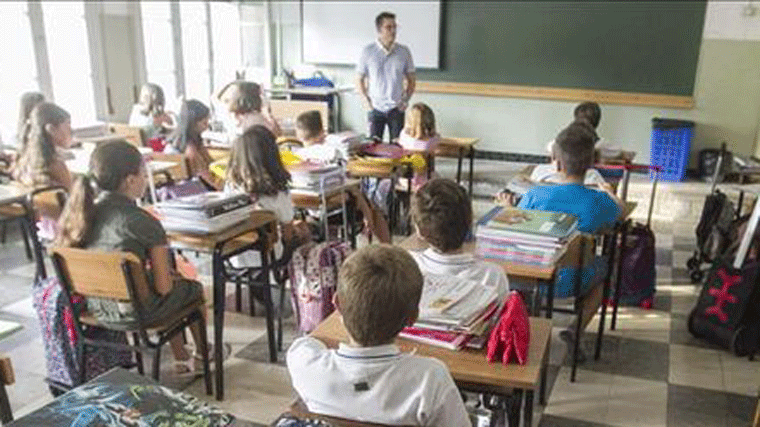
334, 32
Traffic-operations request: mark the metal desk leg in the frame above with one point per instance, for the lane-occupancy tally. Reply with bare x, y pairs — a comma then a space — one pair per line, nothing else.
609, 249
616, 300
336, 112
514, 406
472, 163
542, 386
219, 283
459, 165
268, 300
528, 410
550, 299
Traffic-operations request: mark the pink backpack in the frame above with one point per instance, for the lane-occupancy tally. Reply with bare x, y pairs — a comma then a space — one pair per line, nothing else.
314, 278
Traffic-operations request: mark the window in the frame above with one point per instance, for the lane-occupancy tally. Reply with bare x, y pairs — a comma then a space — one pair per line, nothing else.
195, 50
159, 47
17, 65
68, 50
253, 27
225, 39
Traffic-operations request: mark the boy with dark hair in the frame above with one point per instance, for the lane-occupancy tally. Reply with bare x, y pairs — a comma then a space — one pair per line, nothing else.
588, 112
594, 209
442, 214
369, 379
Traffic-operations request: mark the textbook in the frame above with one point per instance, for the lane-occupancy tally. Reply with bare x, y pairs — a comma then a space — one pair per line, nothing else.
207, 204
316, 177
556, 225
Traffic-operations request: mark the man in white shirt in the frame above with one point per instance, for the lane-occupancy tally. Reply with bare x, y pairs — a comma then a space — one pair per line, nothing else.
369, 379
383, 68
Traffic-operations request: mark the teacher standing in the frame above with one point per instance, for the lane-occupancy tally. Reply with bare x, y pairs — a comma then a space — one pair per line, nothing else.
383, 69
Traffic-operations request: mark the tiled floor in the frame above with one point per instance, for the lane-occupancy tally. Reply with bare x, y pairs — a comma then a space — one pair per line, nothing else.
652, 372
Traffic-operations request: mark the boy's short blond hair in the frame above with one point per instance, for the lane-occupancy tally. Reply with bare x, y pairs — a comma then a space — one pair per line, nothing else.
379, 289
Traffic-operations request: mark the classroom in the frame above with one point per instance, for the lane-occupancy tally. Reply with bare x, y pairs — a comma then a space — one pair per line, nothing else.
204, 220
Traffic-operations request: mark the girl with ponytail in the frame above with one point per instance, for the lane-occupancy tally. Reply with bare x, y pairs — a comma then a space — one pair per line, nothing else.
101, 214
29, 100
39, 164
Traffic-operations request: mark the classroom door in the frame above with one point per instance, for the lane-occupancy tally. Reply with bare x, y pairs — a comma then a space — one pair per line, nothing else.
121, 81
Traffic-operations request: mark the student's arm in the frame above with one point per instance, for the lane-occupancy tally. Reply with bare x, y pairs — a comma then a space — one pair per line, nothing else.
60, 173
607, 188
162, 271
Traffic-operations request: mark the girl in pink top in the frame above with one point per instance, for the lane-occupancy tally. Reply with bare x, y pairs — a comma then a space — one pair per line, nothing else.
419, 135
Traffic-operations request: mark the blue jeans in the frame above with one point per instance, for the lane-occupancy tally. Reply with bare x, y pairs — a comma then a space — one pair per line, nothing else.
394, 118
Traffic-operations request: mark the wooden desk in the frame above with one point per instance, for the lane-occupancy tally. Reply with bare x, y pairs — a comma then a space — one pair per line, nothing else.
251, 234
305, 199
456, 147
469, 368
111, 397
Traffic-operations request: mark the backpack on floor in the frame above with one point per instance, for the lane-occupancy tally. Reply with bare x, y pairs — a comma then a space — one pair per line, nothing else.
314, 278
60, 337
638, 278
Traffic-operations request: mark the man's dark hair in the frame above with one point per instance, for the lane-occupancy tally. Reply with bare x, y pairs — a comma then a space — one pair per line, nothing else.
383, 15
575, 148
590, 112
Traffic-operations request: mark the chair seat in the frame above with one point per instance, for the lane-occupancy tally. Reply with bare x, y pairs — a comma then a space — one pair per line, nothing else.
159, 325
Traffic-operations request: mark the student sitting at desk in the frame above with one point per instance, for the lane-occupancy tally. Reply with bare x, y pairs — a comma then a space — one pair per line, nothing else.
101, 214
322, 149
594, 209
46, 133
369, 379
149, 112
442, 215
244, 100
419, 135
186, 139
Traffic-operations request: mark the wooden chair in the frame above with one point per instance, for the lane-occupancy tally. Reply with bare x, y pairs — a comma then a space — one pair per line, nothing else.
756, 422
132, 134
586, 304
299, 410
117, 275
7, 377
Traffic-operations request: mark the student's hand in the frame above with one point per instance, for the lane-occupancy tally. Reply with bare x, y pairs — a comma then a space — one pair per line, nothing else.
505, 198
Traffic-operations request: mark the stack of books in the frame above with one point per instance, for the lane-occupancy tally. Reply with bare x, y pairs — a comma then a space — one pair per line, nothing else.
205, 213
315, 177
454, 313
524, 236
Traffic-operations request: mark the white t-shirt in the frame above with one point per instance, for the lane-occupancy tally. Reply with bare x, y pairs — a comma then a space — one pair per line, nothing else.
375, 384
464, 266
137, 118
548, 173
329, 152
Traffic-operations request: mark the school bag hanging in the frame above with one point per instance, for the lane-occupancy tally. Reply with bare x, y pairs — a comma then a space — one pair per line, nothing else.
61, 338
727, 312
314, 278
638, 277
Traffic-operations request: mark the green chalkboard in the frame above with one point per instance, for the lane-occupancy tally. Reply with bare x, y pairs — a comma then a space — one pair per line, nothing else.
625, 46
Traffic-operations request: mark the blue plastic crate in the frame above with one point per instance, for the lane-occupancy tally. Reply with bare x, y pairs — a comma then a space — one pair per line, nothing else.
670, 147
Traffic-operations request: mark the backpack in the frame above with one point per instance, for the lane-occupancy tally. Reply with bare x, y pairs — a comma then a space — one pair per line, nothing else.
314, 278
60, 337
638, 278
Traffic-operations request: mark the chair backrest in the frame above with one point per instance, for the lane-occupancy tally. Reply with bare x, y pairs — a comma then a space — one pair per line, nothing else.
98, 274
133, 134
298, 409
7, 377
288, 142
178, 172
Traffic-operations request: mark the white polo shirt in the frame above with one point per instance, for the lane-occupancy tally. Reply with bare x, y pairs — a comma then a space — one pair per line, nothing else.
385, 70
464, 266
375, 384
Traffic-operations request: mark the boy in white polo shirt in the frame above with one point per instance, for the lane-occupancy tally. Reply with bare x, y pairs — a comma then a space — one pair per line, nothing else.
369, 379
442, 214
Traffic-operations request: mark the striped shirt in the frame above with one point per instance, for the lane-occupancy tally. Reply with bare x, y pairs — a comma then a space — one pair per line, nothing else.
385, 70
